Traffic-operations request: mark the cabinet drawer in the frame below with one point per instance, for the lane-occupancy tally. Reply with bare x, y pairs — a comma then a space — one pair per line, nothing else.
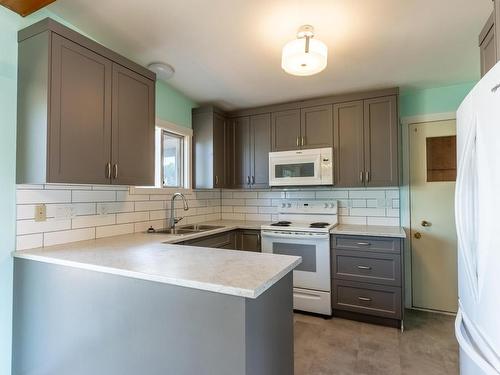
371, 299
363, 266
364, 243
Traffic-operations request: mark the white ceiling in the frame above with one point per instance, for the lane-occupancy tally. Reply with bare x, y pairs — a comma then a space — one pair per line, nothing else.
228, 52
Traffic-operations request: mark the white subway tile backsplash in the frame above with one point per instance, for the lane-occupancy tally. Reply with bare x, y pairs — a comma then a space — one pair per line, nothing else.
56, 238
367, 194
149, 206
103, 211
388, 221
43, 196
132, 217
29, 241
367, 212
94, 196
114, 230
332, 194
258, 202
93, 221
300, 195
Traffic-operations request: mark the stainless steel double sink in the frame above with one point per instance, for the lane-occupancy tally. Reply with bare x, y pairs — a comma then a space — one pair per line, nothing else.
185, 229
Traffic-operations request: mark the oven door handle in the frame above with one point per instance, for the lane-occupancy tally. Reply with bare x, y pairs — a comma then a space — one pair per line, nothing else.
294, 235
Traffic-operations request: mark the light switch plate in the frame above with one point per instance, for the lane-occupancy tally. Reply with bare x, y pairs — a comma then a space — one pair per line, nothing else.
40, 212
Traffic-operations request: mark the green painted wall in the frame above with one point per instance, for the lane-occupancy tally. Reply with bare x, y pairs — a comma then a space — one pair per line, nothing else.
9, 24
433, 100
173, 106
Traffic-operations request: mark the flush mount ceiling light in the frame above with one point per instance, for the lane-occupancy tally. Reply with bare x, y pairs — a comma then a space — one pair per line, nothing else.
304, 56
163, 71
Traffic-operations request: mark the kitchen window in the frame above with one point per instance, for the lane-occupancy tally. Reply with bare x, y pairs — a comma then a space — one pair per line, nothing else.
173, 156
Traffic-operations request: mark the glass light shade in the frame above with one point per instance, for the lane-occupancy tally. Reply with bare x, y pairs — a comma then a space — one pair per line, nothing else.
295, 60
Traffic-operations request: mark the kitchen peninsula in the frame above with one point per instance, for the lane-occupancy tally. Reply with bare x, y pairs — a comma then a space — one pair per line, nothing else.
135, 304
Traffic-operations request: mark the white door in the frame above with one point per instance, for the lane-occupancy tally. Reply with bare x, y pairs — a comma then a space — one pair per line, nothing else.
433, 232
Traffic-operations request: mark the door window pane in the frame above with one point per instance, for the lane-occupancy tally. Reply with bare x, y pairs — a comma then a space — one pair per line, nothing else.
172, 159
441, 158
294, 170
307, 252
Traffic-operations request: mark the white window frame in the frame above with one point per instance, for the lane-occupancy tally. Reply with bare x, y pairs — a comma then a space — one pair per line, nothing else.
187, 133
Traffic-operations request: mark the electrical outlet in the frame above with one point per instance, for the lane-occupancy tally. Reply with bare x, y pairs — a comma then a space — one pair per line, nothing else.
40, 212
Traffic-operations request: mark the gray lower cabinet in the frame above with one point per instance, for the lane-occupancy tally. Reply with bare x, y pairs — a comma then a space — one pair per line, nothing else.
241, 239
226, 240
366, 143
488, 45
209, 148
248, 240
85, 114
368, 278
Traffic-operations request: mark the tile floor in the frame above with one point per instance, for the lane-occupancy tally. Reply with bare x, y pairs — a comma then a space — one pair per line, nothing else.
339, 346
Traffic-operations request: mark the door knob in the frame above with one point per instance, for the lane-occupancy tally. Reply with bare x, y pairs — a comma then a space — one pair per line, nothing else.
425, 223
417, 235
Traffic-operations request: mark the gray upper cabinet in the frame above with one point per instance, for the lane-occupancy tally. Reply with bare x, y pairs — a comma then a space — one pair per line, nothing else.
250, 146
366, 143
209, 148
497, 27
381, 142
80, 112
348, 144
488, 45
286, 130
260, 146
240, 146
316, 127
302, 128
85, 114
133, 128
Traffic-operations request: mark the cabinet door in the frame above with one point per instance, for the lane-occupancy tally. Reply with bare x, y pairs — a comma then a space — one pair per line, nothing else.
229, 152
285, 130
260, 128
249, 240
241, 151
488, 50
316, 127
348, 160
80, 115
381, 141
133, 132
219, 151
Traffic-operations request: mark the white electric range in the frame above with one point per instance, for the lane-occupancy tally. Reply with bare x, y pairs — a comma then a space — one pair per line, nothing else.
303, 229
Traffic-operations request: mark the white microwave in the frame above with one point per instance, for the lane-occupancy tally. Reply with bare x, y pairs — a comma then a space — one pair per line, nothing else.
301, 167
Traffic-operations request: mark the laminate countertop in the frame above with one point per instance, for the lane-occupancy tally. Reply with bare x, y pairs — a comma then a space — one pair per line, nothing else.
369, 230
156, 257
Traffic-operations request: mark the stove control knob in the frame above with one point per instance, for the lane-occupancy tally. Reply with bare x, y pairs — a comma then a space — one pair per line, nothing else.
326, 205
289, 205
283, 205
332, 205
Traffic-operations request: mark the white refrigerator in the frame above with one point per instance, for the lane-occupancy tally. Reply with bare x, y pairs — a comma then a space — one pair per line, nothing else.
477, 206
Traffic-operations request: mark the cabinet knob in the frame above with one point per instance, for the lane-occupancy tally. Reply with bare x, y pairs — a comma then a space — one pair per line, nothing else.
425, 223
108, 171
417, 235
115, 171
361, 176
253, 180
216, 180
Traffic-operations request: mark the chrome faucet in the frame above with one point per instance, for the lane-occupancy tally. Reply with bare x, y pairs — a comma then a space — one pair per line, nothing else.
174, 220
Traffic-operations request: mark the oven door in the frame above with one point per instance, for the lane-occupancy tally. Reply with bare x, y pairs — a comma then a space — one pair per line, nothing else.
314, 248
292, 168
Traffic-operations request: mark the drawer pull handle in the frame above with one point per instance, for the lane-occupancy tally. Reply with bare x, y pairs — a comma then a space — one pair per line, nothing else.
364, 268
363, 243
364, 299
